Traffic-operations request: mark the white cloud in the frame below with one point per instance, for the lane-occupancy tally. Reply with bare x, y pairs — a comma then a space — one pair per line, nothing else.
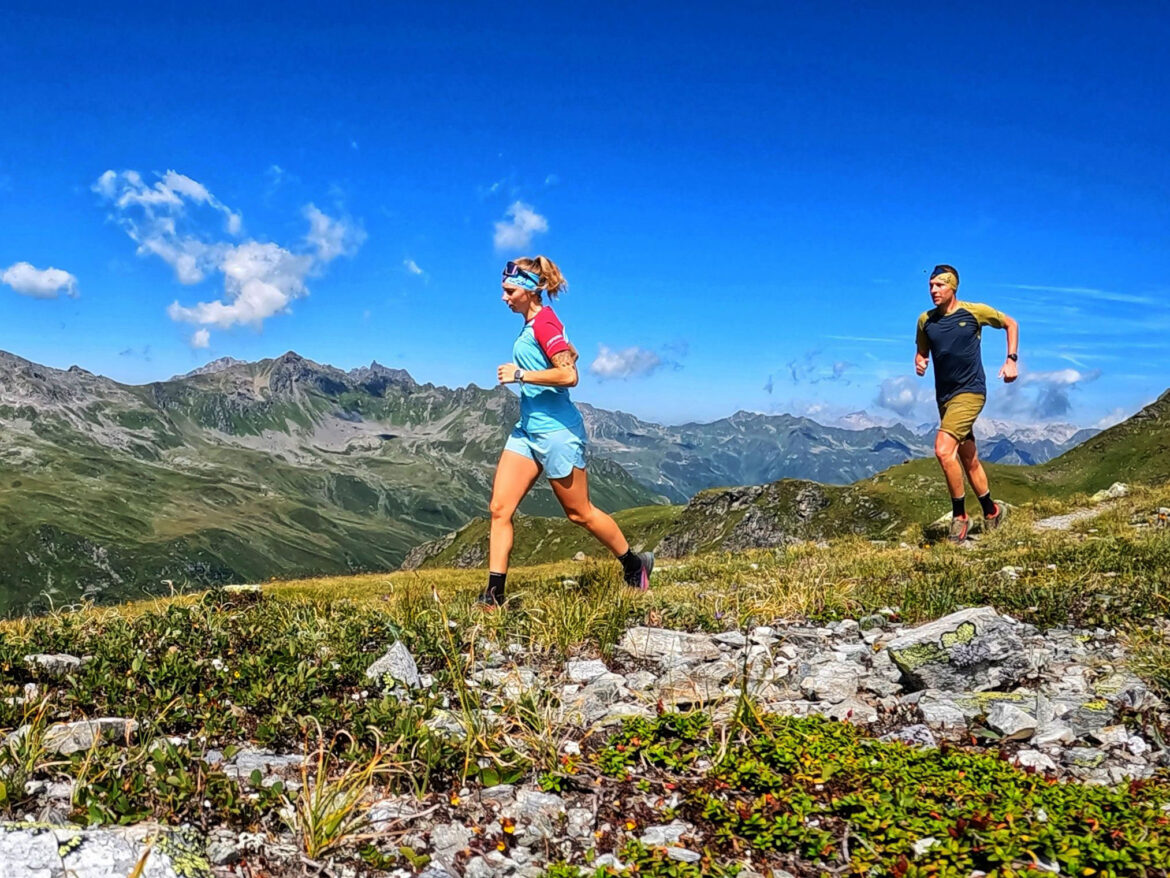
200, 339
903, 394
412, 266
515, 232
1045, 395
1086, 292
628, 363
1114, 417
260, 279
332, 237
40, 283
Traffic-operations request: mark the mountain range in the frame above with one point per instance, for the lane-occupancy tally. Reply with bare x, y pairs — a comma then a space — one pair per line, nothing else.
285, 467
749, 448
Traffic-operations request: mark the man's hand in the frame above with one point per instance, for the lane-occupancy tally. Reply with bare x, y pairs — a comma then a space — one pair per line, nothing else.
920, 363
1010, 371
505, 371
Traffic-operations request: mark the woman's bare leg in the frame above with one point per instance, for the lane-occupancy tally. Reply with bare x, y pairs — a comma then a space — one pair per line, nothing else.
515, 474
573, 493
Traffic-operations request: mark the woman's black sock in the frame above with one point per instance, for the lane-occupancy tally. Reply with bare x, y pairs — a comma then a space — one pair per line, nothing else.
494, 593
631, 563
959, 507
988, 506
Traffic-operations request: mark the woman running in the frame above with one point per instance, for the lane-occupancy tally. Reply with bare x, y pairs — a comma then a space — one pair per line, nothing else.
550, 434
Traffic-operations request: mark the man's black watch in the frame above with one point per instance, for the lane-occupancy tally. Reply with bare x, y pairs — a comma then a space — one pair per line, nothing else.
1014, 358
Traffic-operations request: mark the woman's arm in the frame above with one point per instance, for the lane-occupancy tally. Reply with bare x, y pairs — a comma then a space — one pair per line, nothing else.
562, 374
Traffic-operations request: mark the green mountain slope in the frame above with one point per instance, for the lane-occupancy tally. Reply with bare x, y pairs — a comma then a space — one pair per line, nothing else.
276, 468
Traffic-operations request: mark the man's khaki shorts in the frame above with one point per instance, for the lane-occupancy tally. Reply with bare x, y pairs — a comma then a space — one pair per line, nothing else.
958, 414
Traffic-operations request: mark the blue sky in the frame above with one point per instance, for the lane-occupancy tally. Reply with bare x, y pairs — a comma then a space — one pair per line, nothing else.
745, 198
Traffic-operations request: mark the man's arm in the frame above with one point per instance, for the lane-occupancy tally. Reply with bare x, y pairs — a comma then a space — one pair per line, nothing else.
1011, 369
922, 356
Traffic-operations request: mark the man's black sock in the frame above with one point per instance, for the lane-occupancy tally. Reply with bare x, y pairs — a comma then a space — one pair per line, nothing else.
988, 506
494, 593
631, 563
958, 507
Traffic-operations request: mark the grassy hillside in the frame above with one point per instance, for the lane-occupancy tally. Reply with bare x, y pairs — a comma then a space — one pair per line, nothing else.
900, 502
283, 668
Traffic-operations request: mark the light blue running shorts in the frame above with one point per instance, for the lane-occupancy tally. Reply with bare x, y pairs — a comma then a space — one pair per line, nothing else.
557, 452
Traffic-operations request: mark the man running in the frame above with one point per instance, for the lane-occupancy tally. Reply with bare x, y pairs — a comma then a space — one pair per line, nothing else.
950, 332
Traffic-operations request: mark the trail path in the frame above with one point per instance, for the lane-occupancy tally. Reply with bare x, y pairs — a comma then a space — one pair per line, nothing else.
1066, 521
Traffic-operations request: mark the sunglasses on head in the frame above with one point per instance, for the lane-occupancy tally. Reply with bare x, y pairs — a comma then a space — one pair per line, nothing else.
514, 270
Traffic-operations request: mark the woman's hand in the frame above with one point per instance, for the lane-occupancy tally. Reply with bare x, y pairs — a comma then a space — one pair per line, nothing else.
505, 372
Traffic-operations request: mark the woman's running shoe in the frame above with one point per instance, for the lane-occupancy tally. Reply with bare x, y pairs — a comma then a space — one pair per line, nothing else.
641, 579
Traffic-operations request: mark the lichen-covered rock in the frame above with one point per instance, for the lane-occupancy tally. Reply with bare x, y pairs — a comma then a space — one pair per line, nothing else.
397, 664
657, 644
39, 851
67, 738
971, 650
54, 664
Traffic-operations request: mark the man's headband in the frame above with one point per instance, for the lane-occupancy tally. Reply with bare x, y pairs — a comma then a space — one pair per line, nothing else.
946, 274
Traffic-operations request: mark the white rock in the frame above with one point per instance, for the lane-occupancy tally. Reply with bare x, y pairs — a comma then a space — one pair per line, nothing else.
923, 845
671, 833
661, 643
585, 671
1034, 759
1011, 722
832, 682
398, 664
1052, 733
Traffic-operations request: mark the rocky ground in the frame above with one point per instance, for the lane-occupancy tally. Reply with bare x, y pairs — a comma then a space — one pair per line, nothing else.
1060, 702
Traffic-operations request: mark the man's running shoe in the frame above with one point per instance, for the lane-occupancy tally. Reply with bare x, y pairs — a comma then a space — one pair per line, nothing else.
991, 522
641, 579
959, 529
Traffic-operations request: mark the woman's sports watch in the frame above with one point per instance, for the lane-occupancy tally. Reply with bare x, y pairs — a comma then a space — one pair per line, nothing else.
518, 376
1013, 357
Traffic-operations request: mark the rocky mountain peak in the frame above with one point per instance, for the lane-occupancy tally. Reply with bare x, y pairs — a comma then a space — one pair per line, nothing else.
376, 377
291, 373
220, 365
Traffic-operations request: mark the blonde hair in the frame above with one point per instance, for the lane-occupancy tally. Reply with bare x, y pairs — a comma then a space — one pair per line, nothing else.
551, 279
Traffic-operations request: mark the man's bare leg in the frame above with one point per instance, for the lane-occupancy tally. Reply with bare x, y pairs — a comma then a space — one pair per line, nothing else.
977, 476
973, 467
946, 449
